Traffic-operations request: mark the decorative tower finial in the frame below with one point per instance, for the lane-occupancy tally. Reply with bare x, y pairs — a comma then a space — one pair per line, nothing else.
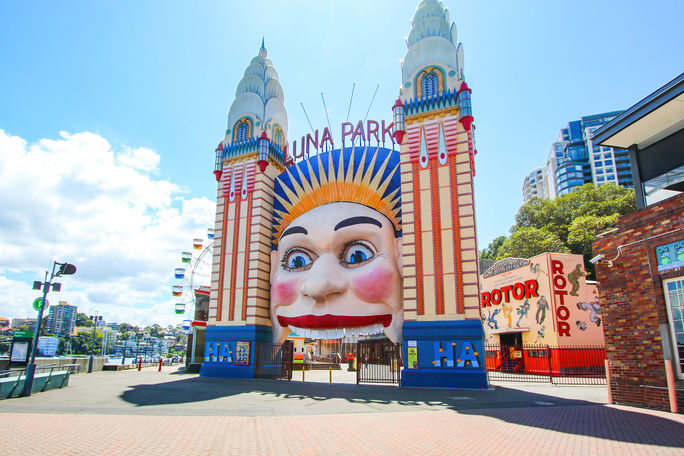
262, 49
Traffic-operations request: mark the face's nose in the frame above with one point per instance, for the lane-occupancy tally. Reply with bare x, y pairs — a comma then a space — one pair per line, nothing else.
324, 279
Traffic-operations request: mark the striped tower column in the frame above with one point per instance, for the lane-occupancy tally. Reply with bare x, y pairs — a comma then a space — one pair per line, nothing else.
439, 253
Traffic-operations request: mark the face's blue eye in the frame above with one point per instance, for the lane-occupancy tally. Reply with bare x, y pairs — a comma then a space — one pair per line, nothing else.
356, 254
296, 260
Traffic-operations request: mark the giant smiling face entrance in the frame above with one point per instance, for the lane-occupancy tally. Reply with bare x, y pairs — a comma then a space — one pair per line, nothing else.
336, 275
335, 269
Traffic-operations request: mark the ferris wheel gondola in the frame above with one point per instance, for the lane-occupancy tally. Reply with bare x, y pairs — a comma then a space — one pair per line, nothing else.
194, 272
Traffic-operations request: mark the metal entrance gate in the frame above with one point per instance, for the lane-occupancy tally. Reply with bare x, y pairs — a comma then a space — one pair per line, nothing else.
274, 361
378, 361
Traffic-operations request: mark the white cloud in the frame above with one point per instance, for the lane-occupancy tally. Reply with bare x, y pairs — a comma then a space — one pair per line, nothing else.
77, 199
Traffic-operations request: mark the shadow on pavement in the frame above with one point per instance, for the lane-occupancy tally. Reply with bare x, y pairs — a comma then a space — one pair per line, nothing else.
197, 389
507, 404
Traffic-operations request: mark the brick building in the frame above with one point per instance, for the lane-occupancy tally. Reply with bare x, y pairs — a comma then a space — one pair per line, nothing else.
640, 264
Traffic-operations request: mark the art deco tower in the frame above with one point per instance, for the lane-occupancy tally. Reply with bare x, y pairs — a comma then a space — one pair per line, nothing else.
247, 161
441, 291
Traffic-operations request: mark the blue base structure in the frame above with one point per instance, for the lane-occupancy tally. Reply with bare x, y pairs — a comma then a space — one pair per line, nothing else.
444, 354
224, 354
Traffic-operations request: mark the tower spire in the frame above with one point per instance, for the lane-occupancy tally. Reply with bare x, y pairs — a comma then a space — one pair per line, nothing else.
262, 49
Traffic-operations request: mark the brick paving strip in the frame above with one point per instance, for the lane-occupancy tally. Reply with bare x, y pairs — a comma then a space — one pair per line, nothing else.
573, 430
151, 413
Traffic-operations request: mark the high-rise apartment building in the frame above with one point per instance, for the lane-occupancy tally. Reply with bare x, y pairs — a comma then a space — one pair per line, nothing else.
536, 184
61, 319
574, 160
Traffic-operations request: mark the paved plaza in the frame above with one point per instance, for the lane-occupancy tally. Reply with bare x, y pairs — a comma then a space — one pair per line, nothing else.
169, 413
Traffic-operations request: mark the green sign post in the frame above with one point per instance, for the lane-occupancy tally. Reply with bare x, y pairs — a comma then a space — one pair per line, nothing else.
39, 303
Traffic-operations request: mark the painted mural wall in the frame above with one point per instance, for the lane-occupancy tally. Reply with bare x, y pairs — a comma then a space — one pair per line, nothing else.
546, 299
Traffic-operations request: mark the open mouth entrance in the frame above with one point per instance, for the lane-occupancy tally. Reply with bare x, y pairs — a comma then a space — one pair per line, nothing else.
364, 359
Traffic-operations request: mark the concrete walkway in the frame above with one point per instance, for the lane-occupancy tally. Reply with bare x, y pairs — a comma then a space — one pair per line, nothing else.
150, 413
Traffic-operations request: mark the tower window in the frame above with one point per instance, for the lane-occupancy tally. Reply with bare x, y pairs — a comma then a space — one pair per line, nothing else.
278, 136
243, 132
430, 84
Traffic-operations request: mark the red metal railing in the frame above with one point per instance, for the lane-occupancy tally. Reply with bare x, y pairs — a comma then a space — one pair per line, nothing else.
542, 363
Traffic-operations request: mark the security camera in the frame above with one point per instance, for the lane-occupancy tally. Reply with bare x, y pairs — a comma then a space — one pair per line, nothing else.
596, 259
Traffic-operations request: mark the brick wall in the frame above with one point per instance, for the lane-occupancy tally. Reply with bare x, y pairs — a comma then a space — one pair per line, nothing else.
633, 302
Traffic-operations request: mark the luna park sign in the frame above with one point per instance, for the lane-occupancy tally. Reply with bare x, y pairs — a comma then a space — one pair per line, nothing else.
361, 131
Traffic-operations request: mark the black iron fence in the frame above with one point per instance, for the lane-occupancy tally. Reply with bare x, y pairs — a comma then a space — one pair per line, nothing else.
378, 361
571, 365
274, 361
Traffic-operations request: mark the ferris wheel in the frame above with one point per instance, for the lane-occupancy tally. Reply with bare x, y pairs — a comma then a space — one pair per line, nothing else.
195, 271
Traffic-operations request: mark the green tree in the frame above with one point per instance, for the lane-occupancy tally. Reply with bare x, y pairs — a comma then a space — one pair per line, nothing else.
83, 320
61, 346
568, 224
123, 328
491, 252
527, 242
155, 331
80, 343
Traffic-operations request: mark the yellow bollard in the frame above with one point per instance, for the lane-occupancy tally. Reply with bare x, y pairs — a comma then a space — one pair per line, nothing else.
330, 371
303, 369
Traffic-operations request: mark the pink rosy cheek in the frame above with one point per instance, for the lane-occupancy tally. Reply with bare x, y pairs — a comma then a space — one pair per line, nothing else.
376, 285
284, 292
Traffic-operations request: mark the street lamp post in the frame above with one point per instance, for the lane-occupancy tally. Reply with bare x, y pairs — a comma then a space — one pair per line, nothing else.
64, 269
92, 342
123, 357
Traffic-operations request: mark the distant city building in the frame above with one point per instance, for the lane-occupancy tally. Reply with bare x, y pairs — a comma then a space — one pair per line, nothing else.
4, 323
535, 185
47, 345
30, 322
61, 319
575, 159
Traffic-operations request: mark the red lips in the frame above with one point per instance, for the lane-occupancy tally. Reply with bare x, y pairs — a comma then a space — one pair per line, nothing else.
334, 321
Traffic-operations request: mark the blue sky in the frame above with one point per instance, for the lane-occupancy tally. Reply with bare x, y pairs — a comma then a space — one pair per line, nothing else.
146, 87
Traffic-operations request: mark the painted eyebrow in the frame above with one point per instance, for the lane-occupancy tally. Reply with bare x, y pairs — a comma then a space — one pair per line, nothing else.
357, 220
294, 230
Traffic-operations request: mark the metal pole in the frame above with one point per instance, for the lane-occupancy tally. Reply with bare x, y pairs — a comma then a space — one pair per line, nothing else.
31, 368
92, 345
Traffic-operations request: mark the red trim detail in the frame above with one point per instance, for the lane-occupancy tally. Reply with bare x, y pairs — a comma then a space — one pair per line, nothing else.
467, 121
233, 278
262, 164
437, 240
222, 262
199, 323
458, 267
399, 136
247, 252
420, 305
